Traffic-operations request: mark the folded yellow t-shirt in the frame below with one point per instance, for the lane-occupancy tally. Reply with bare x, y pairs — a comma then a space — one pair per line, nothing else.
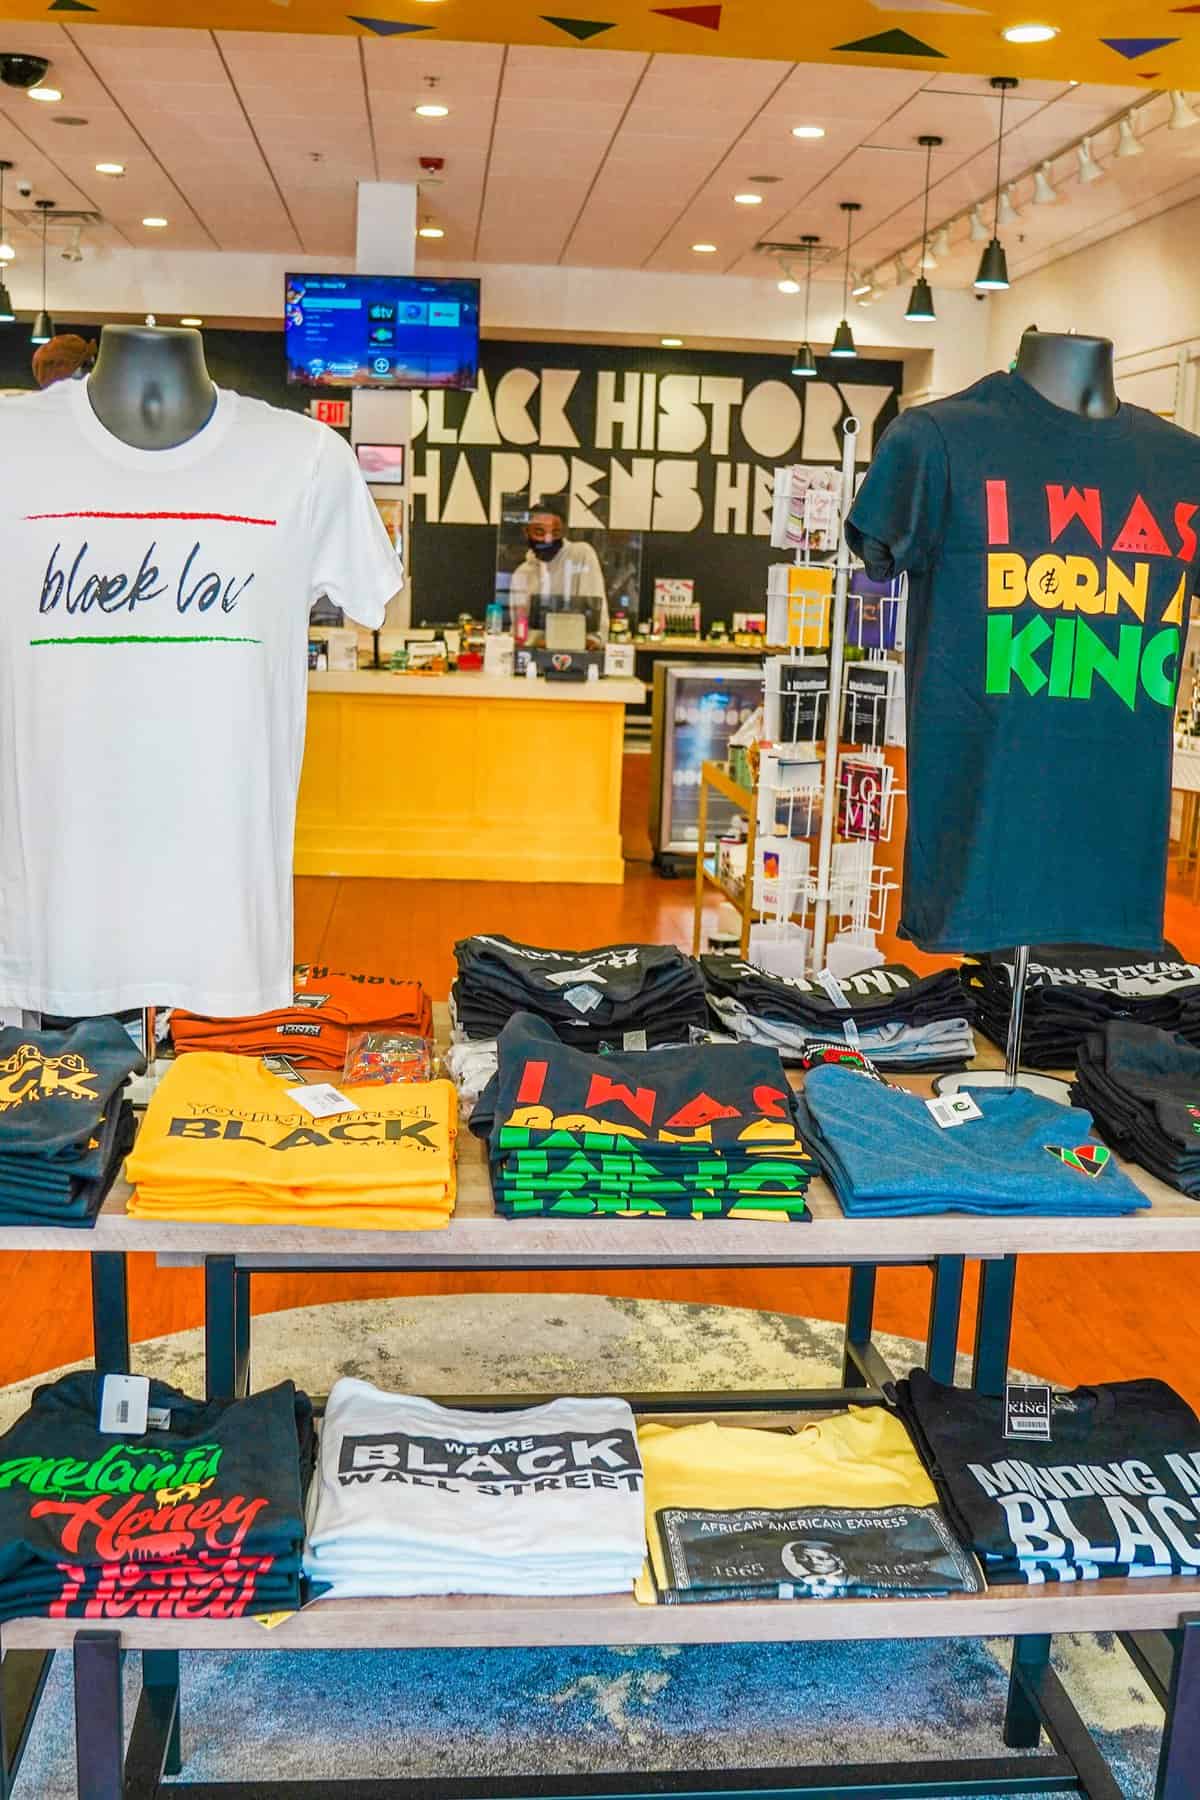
222, 1138
863, 1457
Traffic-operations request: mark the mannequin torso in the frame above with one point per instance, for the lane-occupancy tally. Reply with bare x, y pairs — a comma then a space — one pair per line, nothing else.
1075, 373
151, 387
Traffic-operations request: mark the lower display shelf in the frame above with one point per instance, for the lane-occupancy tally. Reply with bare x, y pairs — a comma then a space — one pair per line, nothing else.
489, 1622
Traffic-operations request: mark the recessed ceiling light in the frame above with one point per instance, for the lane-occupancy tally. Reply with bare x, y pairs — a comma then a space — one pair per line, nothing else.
110, 168
748, 199
432, 109
672, 343
1029, 34
51, 96
705, 249
7, 253
69, 119
808, 131
431, 231
155, 224
191, 321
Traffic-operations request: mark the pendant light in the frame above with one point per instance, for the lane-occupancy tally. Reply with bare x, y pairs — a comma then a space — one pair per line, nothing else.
43, 325
7, 315
993, 264
920, 302
843, 338
804, 363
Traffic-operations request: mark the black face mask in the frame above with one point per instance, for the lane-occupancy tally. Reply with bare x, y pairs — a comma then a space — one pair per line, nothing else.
546, 552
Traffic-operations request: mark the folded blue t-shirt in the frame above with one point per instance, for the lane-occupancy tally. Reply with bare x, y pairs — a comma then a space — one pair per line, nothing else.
885, 1153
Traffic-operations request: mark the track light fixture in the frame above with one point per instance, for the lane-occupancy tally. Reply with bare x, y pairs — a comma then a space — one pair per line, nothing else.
1089, 168
993, 266
1044, 192
843, 338
979, 230
1183, 114
7, 253
940, 247
1009, 211
1128, 142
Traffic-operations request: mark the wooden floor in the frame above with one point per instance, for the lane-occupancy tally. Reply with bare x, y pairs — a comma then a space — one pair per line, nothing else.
1081, 1318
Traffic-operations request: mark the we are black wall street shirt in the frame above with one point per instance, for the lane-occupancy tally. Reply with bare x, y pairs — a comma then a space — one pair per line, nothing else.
1051, 561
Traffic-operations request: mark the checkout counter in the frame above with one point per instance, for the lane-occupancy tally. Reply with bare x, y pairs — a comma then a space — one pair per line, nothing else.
463, 777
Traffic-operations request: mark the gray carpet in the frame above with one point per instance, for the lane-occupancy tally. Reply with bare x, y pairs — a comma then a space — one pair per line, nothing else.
334, 1715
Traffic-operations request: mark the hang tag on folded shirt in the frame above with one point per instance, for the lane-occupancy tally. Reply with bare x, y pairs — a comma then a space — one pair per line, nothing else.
953, 1109
158, 1418
583, 998
634, 1040
852, 1037
321, 1100
124, 1404
1027, 1412
828, 982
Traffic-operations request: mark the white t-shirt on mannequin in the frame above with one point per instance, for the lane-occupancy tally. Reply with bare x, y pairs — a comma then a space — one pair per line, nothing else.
153, 684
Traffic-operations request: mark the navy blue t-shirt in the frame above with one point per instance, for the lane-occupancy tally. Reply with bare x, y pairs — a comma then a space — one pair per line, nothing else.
1051, 561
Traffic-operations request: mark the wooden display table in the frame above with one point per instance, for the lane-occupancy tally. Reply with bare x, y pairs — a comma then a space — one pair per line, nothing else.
1158, 1621
463, 777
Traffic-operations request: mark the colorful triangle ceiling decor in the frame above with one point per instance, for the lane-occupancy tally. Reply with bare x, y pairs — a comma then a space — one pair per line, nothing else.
70, 6
1134, 47
385, 27
890, 43
583, 29
707, 17
927, 6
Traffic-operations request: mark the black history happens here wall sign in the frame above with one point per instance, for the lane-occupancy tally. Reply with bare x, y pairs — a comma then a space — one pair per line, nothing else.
681, 446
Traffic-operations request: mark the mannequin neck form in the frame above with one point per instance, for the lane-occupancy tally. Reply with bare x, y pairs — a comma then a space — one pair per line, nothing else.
1075, 373
150, 386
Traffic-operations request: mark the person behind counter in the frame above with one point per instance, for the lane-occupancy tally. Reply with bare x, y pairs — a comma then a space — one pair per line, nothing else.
559, 574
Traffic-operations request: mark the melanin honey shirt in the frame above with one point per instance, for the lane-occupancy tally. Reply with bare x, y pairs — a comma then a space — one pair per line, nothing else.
1051, 560
153, 681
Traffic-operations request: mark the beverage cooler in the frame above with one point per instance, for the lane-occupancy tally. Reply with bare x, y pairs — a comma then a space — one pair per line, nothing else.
696, 712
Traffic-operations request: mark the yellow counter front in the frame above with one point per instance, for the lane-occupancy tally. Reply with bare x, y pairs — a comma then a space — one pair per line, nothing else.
462, 777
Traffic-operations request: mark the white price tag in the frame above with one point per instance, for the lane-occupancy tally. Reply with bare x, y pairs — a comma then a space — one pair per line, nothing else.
953, 1109
852, 1037
321, 1100
124, 1403
634, 1040
833, 988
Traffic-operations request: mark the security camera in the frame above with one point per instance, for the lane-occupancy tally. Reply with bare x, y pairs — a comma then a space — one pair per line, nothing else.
25, 189
21, 71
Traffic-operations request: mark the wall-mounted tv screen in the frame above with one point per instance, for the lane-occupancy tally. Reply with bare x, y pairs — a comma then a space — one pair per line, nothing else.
397, 331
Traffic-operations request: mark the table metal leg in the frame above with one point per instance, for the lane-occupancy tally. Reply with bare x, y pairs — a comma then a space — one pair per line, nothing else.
99, 1717
860, 1320
1179, 1763
154, 1741
110, 1312
993, 1324
242, 1327
945, 1312
22, 1677
220, 1327
1022, 1720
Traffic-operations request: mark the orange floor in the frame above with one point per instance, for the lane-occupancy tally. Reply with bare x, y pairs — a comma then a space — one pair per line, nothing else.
1077, 1317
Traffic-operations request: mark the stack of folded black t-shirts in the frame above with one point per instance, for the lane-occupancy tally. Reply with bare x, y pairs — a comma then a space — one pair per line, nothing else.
1113, 1490
905, 1023
1073, 989
200, 1516
620, 997
701, 1132
1142, 1086
64, 1127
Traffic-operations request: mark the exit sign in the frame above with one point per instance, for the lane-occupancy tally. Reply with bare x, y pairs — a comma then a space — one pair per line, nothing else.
331, 412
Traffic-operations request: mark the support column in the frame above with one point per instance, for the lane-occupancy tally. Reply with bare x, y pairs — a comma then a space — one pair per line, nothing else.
387, 245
